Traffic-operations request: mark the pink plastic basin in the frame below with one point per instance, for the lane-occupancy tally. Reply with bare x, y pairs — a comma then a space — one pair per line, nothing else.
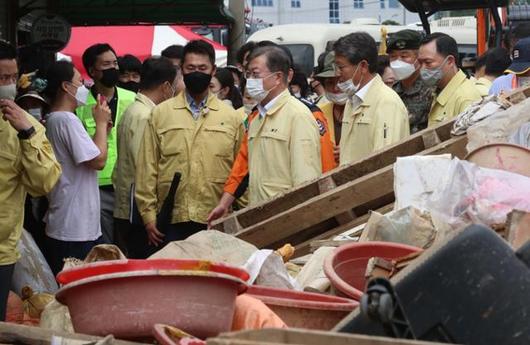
304, 309
346, 266
129, 304
118, 266
502, 156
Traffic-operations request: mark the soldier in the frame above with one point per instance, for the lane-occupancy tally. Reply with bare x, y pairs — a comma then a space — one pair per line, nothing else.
402, 47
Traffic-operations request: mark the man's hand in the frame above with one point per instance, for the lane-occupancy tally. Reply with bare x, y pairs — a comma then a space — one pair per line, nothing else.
15, 115
101, 112
336, 153
154, 236
218, 212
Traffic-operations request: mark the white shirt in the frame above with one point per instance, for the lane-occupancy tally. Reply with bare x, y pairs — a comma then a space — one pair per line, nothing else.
364, 90
263, 109
74, 212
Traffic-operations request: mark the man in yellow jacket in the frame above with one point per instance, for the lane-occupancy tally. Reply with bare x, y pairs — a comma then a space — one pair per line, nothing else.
159, 82
374, 116
194, 134
27, 164
438, 56
283, 149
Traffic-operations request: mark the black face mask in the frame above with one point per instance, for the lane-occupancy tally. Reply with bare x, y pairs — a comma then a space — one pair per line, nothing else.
130, 85
110, 77
197, 82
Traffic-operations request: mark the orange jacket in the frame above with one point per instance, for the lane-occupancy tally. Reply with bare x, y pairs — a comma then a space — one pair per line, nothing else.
237, 182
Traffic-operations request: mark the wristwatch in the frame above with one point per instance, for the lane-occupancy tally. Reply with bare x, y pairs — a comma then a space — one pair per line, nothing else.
26, 133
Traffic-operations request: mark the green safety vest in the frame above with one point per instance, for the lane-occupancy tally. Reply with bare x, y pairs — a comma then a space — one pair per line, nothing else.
125, 98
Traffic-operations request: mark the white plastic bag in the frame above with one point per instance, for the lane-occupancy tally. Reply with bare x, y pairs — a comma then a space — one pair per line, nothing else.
416, 177
32, 269
498, 127
471, 194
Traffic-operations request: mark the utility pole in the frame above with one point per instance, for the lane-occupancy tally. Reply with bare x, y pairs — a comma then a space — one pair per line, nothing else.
237, 29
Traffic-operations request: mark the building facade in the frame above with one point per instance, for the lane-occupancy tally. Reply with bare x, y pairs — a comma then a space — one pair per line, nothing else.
328, 11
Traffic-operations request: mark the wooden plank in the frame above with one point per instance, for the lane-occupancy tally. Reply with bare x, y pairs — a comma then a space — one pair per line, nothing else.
380, 159
518, 228
305, 337
304, 248
430, 139
328, 243
19, 334
339, 200
325, 185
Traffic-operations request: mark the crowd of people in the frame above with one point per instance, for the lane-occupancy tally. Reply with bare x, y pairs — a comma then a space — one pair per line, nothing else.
155, 151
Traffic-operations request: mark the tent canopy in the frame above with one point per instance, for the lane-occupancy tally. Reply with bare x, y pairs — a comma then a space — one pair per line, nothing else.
148, 40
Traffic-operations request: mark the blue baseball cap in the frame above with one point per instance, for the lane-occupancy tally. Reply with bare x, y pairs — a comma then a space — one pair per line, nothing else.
520, 57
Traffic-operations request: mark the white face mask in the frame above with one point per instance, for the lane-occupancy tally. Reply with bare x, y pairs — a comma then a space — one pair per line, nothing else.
256, 90
249, 107
297, 95
8, 92
36, 113
402, 69
337, 98
81, 95
348, 87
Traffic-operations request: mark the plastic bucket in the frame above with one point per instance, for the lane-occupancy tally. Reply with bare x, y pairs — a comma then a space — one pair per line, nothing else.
129, 304
346, 266
304, 309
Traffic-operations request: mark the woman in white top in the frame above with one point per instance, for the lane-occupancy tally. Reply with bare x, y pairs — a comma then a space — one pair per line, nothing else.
73, 218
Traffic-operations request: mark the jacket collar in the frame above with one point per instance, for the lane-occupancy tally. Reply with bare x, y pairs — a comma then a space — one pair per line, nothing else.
140, 97
372, 94
180, 102
450, 89
280, 102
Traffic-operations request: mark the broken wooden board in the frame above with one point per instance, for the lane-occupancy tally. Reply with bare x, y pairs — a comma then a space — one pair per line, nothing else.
312, 216
518, 228
419, 142
304, 247
18, 334
305, 337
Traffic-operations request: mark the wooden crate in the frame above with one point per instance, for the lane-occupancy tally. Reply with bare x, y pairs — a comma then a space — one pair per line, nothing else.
339, 200
305, 337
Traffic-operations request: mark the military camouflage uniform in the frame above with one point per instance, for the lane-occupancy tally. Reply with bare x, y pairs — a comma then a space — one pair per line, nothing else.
418, 101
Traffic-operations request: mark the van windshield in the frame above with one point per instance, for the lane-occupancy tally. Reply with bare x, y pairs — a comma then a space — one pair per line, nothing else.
303, 56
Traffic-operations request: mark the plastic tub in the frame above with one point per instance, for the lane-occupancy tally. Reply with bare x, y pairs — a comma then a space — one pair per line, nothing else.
304, 309
118, 266
346, 266
129, 304
502, 156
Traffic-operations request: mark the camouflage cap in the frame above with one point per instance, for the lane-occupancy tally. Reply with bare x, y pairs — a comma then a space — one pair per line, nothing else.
328, 71
404, 39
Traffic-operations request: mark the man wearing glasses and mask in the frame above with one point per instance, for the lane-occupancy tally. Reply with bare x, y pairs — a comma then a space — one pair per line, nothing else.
374, 115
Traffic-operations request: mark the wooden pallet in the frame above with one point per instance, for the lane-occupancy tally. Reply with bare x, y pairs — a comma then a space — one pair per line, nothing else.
339, 200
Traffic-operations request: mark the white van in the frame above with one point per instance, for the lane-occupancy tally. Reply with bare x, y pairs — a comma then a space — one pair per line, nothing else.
307, 41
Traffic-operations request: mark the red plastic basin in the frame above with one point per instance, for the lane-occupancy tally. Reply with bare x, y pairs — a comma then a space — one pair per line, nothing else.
304, 309
346, 266
117, 266
128, 304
